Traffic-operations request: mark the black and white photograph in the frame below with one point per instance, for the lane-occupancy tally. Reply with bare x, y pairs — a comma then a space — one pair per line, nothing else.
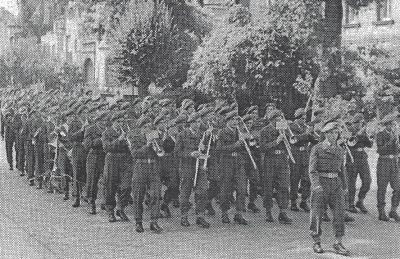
199, 129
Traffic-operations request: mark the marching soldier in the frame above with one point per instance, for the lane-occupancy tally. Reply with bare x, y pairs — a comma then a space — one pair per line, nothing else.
145, 173
19, 144
357, 144
117, 168
8, 133
65, 145
188, 148
387, 169
303, 137
229, 146
39, 138
328, 184
276, 166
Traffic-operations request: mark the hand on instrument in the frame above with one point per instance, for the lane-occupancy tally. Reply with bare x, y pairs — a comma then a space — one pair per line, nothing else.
279, 138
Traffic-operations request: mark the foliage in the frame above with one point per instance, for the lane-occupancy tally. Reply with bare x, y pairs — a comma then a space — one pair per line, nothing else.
149, 48
69, 76
358, 3
240, 55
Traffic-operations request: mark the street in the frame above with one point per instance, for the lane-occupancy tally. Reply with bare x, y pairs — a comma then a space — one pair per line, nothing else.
35, 224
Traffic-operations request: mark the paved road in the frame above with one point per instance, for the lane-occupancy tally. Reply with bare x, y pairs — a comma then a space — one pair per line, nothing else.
34, 224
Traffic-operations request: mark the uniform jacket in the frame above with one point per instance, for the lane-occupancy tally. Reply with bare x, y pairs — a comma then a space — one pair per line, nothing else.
387, 143
92, 138
111, 143
186, 143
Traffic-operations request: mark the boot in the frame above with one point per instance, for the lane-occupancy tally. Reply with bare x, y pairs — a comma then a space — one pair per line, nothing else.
111, 217
284, 219
77, 203
32, 182
22, 173
200, 221
165, 212
239, 219
340, 249
40, 185
325, 217
382, 216
155, 227
185, 221
66, 196
210, 209
175, 203
294, 207
225, 218
352, 209
251, 206
304, 206
361, 207
394, 215
102, 206
139, 227
269, 217
348, 218
317, 248
93, 209
122, 215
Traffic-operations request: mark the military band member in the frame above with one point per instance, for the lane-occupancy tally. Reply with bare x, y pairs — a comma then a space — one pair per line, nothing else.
357, 144
229, 147
19, 144
387, 169
188, 150
8, 133
39, 138
328, 185
64, 146
276, 166
146, 172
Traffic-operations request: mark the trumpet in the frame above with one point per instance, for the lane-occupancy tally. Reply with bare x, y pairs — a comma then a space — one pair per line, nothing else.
345, 141
152, 136
199, 149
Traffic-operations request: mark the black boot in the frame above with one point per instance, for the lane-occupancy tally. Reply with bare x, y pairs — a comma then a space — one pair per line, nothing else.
185, 221
139, 227
294, 207
348, 218
92, 208
268, 217
22, 173
40, 185
175, 203
352, 209
317, 248
77, 203
155, 227
251, 206
210, 209
32, 182
284, 219
122, 215
200, 221
361, 207
382, 216
66, 196
340, 249
304, 206
325, 217
165, 212
239, 219
111, 217
225, 218
394, 215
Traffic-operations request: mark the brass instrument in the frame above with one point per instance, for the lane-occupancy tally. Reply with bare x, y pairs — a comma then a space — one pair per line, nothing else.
246, 136
208, 148
281, 127
345, 141
199, 149
152, 136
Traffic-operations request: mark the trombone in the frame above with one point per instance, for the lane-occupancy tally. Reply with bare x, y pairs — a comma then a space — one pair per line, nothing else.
153, 136
244, 136
285, 126
345, 141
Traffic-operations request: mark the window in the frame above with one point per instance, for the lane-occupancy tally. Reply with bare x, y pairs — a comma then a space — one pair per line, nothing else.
383, 10
351, 15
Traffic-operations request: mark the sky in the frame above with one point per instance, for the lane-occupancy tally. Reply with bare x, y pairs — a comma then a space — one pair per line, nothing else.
11, 5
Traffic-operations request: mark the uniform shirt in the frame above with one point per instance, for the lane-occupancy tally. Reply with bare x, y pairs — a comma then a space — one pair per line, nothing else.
139, 148
362, 139
387, 143
327, 158
268, 136
75, 132
187, 141
111, 143
92, 138
226, 141
39, 131
299, 130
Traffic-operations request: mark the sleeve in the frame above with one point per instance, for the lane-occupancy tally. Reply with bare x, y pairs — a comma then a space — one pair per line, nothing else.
384, 144
223, 143
266, 141
88, 139
300, 135
109, 143
312, 168
343, 172
139, 147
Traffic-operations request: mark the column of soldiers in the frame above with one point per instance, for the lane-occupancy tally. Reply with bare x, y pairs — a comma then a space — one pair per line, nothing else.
137, 146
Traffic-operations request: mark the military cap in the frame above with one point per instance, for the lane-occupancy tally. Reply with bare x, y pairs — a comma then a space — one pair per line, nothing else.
231, 115
81, 109
224, 109
330, 125
118, 115
358, 117
186, 103
124, 105
388, 118
273, 114
269, 105
205, 111
193, 117
181, 118
166, 102
136, 101
299, 113
143, 120
251, 109
248, 117
158, 120
148, 99
101, 116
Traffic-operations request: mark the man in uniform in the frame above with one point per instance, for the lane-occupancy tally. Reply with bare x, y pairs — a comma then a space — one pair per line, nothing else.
276, 166
357, 144
39, 138
328, 185
229, 146
8, 133
145, 173
301, 140
387, 169
188, 150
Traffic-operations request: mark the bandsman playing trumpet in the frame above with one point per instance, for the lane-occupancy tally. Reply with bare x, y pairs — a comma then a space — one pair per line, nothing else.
276, 164
357, 144
146, 172
189, 148
302, 138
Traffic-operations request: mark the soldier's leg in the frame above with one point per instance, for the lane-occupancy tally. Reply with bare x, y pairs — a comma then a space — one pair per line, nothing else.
305, 183
226, 168
39, 164
395, 184
125, 167
318, 201
337, 205
110, 184
9, 151
269, 168
21, 159
283, 181
154, 191
295, 176
241, 188
90, 175
352, 174
139, 186
382, 177
365, 175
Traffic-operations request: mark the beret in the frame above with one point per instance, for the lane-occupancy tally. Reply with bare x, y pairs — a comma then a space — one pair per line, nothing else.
299, 113
230, 115
273, 114
358, 117
186, 103
269, 105
143, 120
166, 102
329, 125
193, 117
251, 109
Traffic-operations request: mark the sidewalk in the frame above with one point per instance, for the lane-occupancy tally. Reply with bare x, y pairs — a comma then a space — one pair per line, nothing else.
34, 224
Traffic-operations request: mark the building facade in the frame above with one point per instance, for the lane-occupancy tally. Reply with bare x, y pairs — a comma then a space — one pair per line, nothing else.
8, 30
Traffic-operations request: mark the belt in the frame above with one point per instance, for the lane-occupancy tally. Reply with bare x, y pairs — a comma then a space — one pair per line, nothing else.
360, 149
300, 148
279, 152
328, 175
389, 156
145, 161
234, 154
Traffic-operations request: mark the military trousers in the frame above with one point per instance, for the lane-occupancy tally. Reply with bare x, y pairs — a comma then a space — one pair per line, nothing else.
146, 174
94, 169
233, 178
65, 168
276, 175
254, 175
39, 160
9, 140
331, 194
169, 177
78, 161
117, 179
187, 170
20, 148
29, 159
387, 171
360, 167
299, 175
